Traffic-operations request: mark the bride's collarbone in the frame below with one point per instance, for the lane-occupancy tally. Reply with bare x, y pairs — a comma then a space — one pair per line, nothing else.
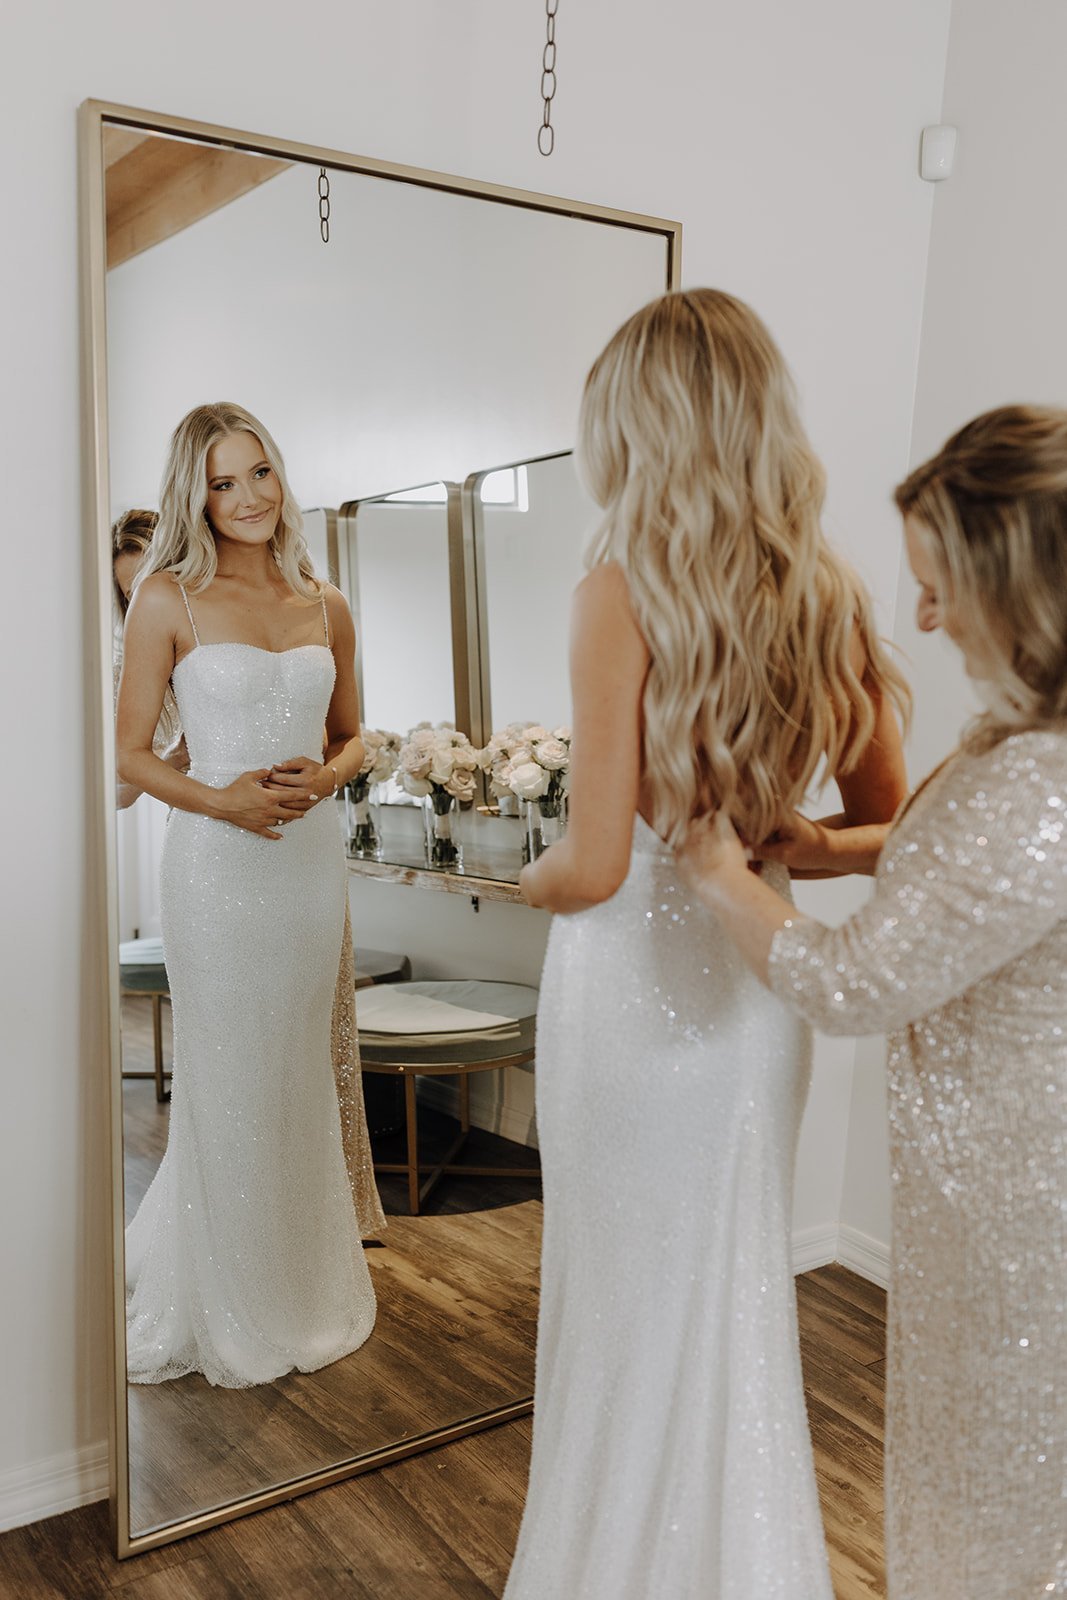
266, 621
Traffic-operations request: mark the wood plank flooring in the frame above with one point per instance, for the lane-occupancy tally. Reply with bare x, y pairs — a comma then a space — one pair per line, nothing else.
442, 1525
460, 1280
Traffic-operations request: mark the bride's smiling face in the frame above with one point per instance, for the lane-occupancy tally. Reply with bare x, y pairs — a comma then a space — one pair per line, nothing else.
244, 497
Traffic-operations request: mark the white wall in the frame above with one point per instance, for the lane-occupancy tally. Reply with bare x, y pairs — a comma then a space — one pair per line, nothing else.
388, 357
994, 331
785, 139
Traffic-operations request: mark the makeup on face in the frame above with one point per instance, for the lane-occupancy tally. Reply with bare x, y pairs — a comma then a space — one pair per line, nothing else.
933, 609
244, 497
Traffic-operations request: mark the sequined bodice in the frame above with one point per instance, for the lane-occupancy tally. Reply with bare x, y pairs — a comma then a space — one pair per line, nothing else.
243, 708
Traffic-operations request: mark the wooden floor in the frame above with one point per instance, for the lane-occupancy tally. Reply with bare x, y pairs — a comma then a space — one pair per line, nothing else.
442, 1526
461, 1278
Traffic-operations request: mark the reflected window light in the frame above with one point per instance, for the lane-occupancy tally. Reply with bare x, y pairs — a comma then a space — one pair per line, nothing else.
506, 487
427, 494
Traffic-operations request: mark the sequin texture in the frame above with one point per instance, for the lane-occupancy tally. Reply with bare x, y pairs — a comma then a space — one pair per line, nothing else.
671, 1456
344, 1042
244, 1259
961, 955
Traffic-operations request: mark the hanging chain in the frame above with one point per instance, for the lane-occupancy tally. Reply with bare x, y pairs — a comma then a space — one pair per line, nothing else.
324, 205
546, 133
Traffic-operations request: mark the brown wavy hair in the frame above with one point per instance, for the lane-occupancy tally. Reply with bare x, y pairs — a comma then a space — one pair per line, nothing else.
133, 534
690, 439
991, 506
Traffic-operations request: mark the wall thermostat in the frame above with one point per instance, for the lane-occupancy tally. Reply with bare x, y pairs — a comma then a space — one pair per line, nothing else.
937, 152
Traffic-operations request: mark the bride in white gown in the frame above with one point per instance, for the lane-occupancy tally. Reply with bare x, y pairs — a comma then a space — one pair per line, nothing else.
721, 655
244, 1259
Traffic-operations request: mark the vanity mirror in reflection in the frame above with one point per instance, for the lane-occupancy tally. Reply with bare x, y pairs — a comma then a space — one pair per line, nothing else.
530, 555
202, 247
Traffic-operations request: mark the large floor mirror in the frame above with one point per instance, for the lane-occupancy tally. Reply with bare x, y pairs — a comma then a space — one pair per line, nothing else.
391, 326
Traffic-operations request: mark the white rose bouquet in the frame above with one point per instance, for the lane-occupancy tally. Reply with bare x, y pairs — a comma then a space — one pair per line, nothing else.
438, 761
529, 761
439, 764
381, 751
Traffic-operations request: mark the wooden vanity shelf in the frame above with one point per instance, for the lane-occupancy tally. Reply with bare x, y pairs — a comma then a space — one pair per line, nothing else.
469, 882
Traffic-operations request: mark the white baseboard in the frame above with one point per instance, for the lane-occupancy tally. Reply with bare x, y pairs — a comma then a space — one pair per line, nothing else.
818, 1246
59, 1483
860, 1253
504, 1119
814, 1247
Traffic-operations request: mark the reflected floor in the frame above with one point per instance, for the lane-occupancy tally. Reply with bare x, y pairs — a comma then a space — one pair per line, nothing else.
455, 1336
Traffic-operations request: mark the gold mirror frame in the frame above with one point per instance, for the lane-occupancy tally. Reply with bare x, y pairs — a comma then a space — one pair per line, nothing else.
102, 865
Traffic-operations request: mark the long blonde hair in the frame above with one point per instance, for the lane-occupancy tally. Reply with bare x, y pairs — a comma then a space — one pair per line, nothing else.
992, 506
184, 543
690, 440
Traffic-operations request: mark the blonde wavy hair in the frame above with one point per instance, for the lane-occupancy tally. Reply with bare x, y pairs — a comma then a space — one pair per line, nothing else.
691, 442
991, 506
132, 534
184, 542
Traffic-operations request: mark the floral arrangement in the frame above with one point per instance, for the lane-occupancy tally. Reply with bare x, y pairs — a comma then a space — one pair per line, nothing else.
530, 762
381, 751
435, 760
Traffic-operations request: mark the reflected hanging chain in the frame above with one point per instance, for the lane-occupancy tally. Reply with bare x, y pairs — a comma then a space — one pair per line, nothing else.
324, 205
546, 133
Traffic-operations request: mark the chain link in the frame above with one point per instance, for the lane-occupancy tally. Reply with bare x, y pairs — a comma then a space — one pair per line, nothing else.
546, 133
324, 205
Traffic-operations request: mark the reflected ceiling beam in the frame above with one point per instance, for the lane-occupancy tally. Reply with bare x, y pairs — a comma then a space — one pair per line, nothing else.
157, 186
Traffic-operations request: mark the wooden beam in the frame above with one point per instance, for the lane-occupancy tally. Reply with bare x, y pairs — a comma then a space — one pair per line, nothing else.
158, 186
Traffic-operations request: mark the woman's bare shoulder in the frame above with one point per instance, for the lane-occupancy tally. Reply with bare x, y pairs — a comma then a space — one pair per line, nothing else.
158, 597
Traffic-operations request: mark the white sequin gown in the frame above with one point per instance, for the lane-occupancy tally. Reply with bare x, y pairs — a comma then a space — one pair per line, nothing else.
244, 1259
671, 1456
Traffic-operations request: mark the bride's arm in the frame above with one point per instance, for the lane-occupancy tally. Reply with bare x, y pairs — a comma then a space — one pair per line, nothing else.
871, 795
344, 744
609, 663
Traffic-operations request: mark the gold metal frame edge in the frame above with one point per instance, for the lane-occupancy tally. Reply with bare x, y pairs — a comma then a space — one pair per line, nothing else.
101, 851
354, 1467
372, 167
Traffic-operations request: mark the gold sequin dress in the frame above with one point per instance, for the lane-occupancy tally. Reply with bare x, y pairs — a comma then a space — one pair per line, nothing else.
348, 1076
961, 956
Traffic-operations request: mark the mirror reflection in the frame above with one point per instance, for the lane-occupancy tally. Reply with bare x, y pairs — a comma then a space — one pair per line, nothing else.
533, 547
302, 1290
398, 544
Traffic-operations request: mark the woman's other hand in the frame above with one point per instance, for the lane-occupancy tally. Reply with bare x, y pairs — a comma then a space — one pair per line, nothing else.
248, 803
799, 843
302, 780
712, 851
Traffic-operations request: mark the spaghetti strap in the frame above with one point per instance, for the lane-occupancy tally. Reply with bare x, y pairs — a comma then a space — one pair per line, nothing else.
325, 618
189, 611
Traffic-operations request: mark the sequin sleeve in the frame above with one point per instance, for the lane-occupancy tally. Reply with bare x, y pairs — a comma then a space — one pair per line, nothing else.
972, 876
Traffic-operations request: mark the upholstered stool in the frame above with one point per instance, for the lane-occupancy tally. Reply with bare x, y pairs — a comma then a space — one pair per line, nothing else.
383, 1098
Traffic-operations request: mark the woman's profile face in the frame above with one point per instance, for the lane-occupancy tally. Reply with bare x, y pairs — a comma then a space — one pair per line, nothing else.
125, 567
934, 609
244, 497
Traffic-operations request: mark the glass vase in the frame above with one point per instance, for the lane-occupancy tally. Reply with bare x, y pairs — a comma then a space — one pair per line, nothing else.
546, 823
440, 818
364, 840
